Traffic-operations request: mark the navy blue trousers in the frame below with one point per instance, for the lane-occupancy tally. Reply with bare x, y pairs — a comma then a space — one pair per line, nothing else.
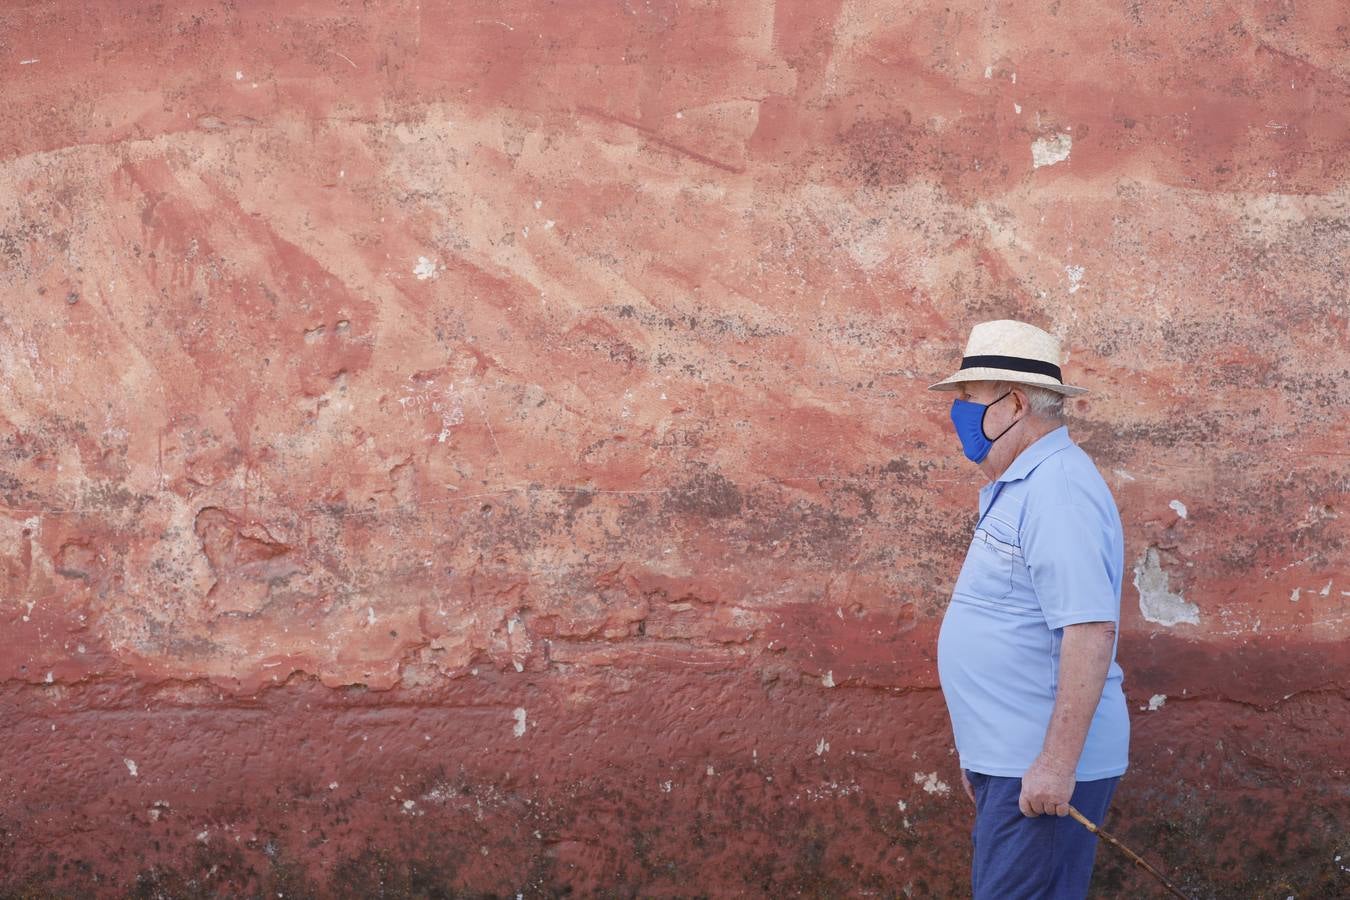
1038, 858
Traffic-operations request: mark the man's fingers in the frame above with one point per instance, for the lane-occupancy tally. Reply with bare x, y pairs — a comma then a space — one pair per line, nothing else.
1035, 806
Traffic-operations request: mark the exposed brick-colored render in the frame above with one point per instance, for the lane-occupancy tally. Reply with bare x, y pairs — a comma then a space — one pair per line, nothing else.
482, 448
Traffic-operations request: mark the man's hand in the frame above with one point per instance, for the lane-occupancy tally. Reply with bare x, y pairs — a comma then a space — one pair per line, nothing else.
965, 781
1046, 788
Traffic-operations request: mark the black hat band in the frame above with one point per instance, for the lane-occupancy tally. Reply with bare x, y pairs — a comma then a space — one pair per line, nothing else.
1015, 363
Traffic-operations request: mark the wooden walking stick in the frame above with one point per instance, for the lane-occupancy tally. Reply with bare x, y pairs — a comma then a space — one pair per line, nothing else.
1110, 839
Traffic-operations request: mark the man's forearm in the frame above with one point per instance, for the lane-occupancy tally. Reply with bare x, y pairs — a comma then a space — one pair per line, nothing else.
1084, 658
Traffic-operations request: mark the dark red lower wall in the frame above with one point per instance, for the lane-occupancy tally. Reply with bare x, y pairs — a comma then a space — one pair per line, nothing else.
667, 778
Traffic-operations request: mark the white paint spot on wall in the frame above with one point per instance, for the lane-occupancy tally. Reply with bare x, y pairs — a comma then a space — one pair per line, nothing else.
1326, 590
1293, 595
988, 71
828, 679
1156, 602
519, 728
1179, 507
424, 269
931, 784
1156, 702
822, 746
709, 770
1017, 108
1047, 151
27, 62
131, 767
238, 76
1075, 274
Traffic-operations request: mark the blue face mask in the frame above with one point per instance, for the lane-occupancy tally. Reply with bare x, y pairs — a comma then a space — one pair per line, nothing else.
968, 417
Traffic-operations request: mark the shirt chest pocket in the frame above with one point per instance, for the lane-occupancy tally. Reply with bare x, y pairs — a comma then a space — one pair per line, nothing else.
992, 560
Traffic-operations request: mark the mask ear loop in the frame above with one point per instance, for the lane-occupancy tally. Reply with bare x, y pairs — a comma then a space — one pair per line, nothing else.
986, 412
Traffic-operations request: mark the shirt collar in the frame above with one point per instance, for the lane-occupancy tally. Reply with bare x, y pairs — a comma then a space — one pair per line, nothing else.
1040, 449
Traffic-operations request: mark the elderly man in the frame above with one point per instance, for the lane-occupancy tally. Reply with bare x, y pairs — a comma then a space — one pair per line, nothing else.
1026, 653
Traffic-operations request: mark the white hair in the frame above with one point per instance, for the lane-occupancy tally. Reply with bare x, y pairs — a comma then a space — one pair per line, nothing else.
1044, 402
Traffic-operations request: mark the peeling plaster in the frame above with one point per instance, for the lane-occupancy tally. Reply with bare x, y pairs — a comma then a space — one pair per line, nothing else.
1047, 151
1156, 602
931, 783
519, 728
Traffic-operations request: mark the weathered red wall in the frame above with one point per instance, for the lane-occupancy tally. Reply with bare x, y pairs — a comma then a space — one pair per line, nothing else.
484, 446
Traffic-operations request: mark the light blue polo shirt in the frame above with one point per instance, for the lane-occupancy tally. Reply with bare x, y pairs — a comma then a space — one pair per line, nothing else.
1048, 551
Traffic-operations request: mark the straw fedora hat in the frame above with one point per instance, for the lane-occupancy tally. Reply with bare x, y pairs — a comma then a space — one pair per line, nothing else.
1007, 350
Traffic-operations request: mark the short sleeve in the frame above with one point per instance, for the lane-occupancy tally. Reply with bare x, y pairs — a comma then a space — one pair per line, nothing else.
1068, 553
